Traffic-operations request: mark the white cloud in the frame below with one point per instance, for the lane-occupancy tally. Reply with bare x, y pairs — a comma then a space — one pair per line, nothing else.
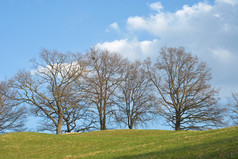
132, 49
136, 22
155, 24
224, 56
231, 2
113, 27
157, 6
64, 68
200, 28
164, 22
194, 10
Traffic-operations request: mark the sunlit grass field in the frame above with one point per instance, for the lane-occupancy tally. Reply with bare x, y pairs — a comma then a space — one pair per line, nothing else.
120, 144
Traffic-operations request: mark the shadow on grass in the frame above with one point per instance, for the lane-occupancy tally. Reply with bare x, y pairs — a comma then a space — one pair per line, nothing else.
225, 148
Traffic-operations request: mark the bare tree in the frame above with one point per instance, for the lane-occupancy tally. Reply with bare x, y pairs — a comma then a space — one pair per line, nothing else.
135, 97
104, 74
12, 114
234, 108
50, 87
187, 99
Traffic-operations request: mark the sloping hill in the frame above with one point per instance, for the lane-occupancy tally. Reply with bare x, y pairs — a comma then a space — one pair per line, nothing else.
120, 144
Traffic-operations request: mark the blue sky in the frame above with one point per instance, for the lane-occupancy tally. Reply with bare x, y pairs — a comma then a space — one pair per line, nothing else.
27, 26
134, 28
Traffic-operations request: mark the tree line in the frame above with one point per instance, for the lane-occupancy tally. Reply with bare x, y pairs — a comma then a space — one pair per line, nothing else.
83, 92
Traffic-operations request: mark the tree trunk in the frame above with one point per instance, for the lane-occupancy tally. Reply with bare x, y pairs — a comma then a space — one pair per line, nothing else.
68, 126
102, 122
102, 125
104, 115
130, 124
177, 124
59, 126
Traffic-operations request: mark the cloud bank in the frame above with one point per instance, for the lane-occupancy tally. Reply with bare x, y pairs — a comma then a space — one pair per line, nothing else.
208, 30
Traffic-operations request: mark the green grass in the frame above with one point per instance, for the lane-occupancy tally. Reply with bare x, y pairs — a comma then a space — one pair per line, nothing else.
120, 144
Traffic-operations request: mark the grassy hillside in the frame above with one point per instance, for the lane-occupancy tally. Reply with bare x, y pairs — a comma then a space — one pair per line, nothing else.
120, 144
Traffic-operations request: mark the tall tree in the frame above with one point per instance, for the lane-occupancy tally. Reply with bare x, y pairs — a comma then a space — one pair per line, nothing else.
135, 97
12, 114
187, 99
104, 74
50, 87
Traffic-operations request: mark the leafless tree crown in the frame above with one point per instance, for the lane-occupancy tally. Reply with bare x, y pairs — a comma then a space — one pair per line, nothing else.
50, 88
135, 98
104, 74
11, 113
187, 99
233, 106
